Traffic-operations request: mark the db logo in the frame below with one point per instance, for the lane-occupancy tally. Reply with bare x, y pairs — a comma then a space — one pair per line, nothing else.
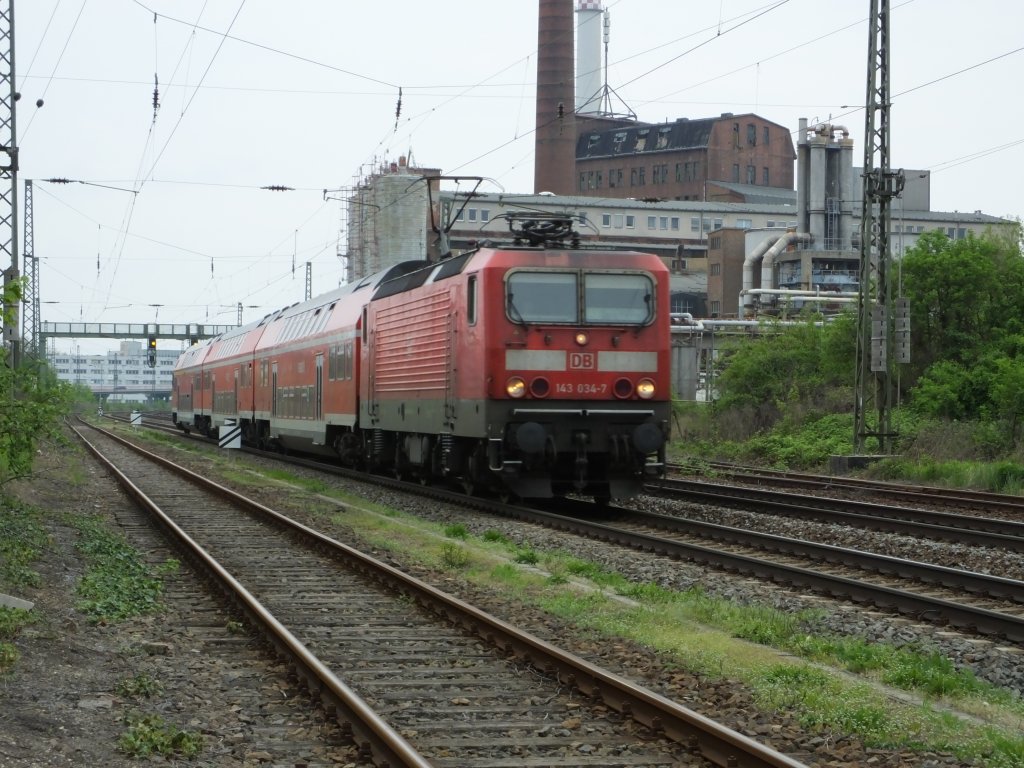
581, 360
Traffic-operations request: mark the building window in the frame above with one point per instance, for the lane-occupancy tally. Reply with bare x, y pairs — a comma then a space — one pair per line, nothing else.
743, 223
595, 139
652, 222
751, 174
598, 180
632, 177
461, 215
485, 214
630, 221
472, 214
736, 134
679, 172
583, 181
718, 224
764, 176
695, 223
715, 243
618, 140
736, 172
769, 223
606, 219
716, 308
617, 220
715, 269
751, 134
642, 171
641, 140
764, 136
674, 223
663, 137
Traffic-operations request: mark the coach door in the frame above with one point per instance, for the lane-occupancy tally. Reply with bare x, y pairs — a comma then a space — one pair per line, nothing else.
319, 387
273, 389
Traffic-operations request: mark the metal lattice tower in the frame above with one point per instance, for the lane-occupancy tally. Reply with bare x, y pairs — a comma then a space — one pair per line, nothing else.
9, 173
33, 341
875, 338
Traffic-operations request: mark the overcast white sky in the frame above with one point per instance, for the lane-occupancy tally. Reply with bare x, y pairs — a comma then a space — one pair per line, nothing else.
304, 94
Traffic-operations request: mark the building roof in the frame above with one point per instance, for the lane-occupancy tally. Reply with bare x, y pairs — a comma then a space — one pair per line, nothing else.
576, 202
643, 138
754, 194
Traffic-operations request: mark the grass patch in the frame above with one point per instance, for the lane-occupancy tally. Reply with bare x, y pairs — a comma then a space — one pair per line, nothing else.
117, 584
152, 735
454, 556
492, 535
456, 531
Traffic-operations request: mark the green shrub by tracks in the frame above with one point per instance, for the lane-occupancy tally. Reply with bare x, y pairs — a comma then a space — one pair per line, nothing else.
22, 540
117, 584
152, 735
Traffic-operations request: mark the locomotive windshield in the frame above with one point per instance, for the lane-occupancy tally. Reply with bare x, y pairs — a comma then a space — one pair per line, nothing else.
580, 297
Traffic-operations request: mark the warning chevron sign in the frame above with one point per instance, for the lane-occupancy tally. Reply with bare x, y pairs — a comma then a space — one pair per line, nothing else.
230, 435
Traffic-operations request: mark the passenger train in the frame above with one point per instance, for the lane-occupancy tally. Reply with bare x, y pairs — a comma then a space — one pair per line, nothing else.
537, 369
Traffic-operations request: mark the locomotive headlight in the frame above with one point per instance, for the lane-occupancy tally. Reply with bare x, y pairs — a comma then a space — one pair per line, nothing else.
645, 389
515, 387
582, 339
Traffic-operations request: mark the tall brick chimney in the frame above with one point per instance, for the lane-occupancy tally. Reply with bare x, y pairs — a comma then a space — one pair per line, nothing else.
555, 149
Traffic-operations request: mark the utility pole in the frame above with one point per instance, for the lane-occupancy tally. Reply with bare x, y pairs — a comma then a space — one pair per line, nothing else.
9, 177
32, 346
877, 350
309, 280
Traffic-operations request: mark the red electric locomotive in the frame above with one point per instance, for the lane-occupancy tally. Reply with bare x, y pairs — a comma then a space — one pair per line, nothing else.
534, 370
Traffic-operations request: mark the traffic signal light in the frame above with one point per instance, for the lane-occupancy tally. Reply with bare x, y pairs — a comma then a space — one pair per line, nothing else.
151, 353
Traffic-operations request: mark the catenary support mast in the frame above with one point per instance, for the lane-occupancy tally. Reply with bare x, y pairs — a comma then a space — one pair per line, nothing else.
32, 345
876, 341
9, 177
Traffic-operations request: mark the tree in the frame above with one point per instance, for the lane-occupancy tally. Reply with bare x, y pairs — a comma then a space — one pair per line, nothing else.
964, 295
787, 365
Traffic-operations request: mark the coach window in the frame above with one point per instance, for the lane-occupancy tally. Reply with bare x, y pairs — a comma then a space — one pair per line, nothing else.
542, 297
617, 298
471, 300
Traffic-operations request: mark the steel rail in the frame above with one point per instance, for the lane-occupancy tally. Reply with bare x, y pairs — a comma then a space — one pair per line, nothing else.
980, 531
713, 741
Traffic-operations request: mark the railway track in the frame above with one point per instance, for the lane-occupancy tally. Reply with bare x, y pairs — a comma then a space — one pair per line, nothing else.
960, 498
419, 677
924, 523
972, 602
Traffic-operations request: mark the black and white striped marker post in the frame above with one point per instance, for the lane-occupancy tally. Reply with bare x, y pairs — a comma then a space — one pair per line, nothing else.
230, 435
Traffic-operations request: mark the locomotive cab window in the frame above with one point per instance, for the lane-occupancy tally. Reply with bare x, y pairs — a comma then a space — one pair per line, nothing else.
566, 297
542, 297
471, 299
618, 298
